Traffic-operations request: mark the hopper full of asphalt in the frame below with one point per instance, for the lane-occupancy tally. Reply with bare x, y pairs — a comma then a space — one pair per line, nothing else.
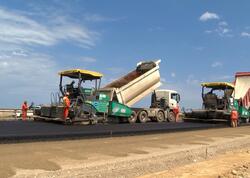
19, 131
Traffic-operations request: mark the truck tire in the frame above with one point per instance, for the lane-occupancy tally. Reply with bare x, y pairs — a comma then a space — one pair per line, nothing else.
133, 118
160, 117
143, 116
171, 117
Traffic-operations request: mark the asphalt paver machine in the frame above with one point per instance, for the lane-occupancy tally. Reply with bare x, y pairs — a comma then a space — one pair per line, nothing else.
218, 102
86, 103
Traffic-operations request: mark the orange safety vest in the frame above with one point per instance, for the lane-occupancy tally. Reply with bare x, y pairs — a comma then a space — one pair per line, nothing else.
176, 110
24, 111
24, 107
234, 115
66, 101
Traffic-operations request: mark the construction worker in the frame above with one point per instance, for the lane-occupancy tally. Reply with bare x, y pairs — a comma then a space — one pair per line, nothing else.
24, 110
66, 103
234, 118
176, 111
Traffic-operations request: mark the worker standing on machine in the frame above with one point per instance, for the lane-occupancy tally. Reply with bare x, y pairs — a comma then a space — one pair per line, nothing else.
24, 110
66, 103
234, 117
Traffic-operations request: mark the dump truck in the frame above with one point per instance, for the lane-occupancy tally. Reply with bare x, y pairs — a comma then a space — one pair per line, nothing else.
218, 102
164, 107
132, 87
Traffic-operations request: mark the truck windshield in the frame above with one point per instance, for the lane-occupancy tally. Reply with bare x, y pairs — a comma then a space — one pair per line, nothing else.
175, 96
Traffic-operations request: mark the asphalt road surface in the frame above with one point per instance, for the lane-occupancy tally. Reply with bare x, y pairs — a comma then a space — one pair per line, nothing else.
129, 157
22, 131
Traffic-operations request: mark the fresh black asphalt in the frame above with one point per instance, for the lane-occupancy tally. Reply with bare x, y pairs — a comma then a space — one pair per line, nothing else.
24, 131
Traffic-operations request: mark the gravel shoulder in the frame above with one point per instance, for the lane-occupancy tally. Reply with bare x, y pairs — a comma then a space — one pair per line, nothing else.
229, 165
133, 156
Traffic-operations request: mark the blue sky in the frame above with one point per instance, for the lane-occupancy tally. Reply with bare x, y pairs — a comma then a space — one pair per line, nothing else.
196, 40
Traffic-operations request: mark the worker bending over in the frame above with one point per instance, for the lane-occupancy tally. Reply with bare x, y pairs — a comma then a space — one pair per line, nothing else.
24, 110
234, 117
66, 103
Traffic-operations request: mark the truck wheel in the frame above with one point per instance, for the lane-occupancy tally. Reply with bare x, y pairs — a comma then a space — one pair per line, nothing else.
171, 117
143, 116
160, 117
132, 119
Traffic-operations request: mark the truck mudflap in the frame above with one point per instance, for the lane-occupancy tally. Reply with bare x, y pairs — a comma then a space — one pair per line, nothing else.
119, 110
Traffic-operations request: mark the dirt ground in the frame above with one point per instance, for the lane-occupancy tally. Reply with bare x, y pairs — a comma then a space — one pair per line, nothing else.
229, 165
206, 153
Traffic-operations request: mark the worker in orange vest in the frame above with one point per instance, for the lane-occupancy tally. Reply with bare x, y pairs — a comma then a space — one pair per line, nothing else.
234, 118
24, 110
66, 103
176, 111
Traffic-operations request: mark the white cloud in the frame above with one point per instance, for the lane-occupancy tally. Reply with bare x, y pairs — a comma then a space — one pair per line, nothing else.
88, 59
216, 64
17, 28
98, 18
25, 79
245, 34
173, 75
163, 80
221, 30
4, 56
209, 31
225, 30
155, 29
223, 23
208, 16
19, 53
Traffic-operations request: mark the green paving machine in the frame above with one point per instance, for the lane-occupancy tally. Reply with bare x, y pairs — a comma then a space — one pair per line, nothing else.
87, 102
218, 102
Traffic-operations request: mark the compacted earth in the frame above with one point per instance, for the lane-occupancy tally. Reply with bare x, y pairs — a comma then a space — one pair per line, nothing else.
223, 152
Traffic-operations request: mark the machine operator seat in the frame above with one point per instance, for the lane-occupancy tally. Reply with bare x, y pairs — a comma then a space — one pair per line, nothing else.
210, 101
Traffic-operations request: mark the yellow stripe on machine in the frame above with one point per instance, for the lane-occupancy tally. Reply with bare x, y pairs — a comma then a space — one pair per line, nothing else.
218, 84
86, 74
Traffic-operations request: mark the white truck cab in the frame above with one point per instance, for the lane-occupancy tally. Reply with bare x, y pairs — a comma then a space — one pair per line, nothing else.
172, 98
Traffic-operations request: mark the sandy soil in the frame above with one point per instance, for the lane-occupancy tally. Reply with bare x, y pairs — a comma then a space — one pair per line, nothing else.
128, 156
232, 164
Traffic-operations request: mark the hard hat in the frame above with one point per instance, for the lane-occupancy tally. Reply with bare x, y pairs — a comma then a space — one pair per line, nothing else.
67, 93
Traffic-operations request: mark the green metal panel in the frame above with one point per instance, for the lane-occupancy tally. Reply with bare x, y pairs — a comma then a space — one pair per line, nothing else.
119, 110
100, 106
243, 112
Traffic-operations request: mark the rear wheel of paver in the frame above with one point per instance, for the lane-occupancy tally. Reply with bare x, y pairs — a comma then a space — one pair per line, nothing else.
143, 116
133, 118
160, 117
171, 117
